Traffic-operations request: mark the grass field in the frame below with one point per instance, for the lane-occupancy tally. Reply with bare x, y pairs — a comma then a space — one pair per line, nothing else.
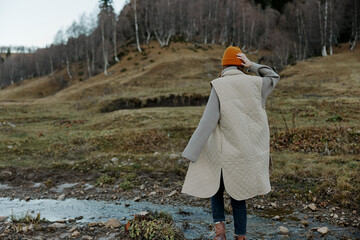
313, 116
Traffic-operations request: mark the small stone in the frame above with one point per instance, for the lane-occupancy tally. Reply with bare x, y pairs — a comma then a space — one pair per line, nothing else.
113, 223
172, 193
156, 153
335, 216
114, 160
127, 204
143, 213
283, 230
305, 223
3, 218
61, 221
79, 217
312, 206
354, 212
152, 193
57, 225
174, 156
71, 220
323, 230
27, 198
75, 234
93, 224
136, 199
277, 217
87, 237
64, 235
73, 229
273, 204
61, 197
142, 187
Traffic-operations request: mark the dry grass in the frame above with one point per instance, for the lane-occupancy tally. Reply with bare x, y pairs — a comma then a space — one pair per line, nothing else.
312, 109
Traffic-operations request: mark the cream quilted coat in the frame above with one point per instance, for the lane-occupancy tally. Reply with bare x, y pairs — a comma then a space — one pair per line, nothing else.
239, 146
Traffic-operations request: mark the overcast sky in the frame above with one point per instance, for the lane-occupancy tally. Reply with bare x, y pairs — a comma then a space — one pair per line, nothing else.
35, 22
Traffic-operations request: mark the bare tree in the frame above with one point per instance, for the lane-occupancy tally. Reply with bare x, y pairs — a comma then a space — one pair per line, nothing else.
355, 28
136, 27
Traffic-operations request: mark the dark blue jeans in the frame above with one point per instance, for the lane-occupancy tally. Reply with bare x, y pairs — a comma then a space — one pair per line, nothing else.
239, 210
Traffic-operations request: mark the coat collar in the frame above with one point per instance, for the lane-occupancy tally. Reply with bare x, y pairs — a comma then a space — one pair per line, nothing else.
231, 71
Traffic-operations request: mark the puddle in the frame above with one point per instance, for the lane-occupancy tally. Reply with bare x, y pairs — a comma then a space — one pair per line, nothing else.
194, 221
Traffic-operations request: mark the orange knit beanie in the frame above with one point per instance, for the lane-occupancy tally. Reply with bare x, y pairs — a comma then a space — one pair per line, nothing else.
230, 58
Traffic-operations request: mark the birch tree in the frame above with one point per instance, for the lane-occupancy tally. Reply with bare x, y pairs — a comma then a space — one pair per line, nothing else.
136, 27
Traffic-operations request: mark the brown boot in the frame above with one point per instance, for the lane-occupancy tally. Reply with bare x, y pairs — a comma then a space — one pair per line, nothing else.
220, 231
239, 237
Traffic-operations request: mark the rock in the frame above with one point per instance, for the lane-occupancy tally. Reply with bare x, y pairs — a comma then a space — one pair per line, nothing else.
143, 213
181, 161
113, 223
61, 197
174, 156
136, 199
283, 230
152, 193
61, 221
57, 225
27, 198
3, 218
71, 220
127, 204
87, 237
323, 230
156, 153
312, 206
172, 193
142, 187
305, 223
64, 235
76, 233
93, 224
114, 160
79, 218
277, 217
73, 229
273, 204
335, 216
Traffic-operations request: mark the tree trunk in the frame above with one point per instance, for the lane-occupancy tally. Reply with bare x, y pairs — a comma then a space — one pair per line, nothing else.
243, 28
323, 45
104, 49
37, 69
355, 28
68, 68
87, 57
136, 28
148, 32
162, 42
52, 70
330, 28
215, 21
114, 39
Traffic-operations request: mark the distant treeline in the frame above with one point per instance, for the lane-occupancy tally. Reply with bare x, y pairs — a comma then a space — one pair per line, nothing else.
291, 30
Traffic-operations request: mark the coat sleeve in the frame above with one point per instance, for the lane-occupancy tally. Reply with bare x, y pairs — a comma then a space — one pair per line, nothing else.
270, 79
206, 126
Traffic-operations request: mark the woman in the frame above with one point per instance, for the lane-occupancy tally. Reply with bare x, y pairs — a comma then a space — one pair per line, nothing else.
230, 149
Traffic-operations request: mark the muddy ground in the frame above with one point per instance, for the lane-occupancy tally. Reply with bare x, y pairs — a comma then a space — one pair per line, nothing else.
156, 187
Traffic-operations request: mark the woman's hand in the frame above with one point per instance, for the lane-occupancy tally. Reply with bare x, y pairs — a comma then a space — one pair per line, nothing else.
246, 62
